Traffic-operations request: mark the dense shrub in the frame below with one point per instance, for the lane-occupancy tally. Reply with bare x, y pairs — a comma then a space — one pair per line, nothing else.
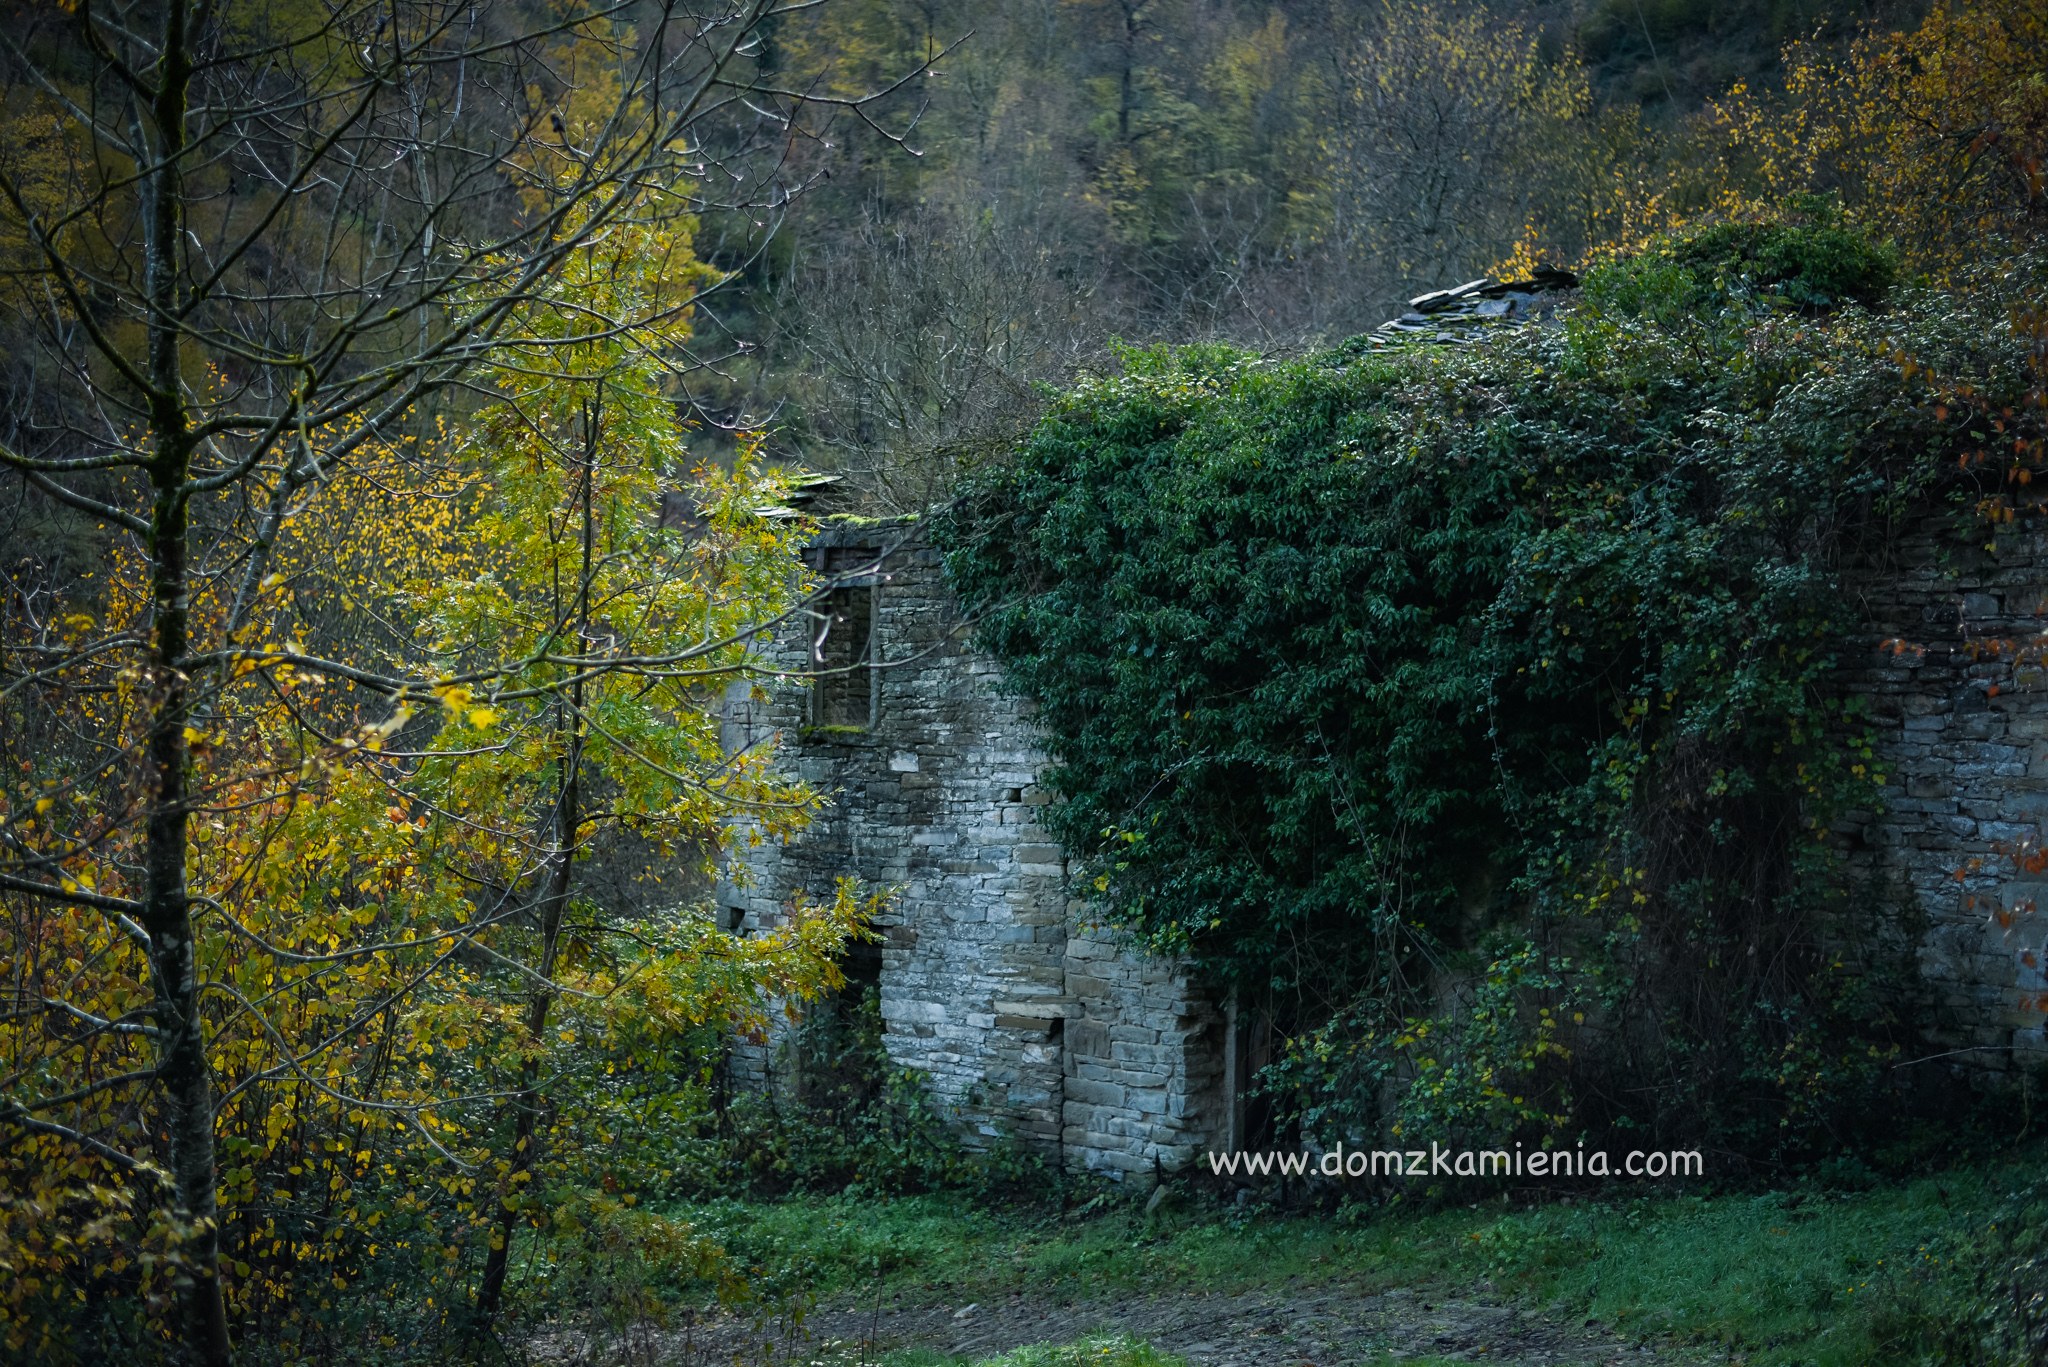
630, 1238
1514, 667
1814, 265
845, 1117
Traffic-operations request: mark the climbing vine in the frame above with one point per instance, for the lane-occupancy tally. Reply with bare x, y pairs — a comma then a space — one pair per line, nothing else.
1514, 666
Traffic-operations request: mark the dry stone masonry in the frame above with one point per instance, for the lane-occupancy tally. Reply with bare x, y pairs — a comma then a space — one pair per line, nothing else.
1031, 1025
1952, 673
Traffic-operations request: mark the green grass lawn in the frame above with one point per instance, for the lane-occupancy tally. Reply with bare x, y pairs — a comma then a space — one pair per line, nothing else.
1806, 1275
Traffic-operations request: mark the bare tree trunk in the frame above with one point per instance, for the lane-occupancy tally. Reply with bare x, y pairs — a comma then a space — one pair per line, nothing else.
554, 904
1126, 95
182, 1069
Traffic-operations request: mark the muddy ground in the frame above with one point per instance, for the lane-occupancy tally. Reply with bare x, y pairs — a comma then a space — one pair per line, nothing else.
1320, 1327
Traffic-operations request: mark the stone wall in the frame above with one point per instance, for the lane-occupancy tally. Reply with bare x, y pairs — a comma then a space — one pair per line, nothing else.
1032, 1024
1028, 1024
1951, 670
1145, 1063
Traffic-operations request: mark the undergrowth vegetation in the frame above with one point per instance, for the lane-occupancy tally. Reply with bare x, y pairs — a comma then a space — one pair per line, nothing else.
844, 1117
633, 1239
1513, 668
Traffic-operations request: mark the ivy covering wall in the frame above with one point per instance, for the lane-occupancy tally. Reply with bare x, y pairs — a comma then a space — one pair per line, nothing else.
1472, 710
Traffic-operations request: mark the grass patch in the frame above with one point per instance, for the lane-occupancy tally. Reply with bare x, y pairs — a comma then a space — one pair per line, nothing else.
1805, 1275
937, 1248
1795, 1277
1119, 1350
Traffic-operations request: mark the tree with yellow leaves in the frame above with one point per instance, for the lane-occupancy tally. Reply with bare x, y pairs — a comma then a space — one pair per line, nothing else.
351, 334
1934, 137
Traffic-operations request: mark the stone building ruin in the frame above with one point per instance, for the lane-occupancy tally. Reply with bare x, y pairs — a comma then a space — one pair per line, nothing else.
1031, 1025
1034, 1025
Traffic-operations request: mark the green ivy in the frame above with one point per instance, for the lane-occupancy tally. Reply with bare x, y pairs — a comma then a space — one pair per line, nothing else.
1346, 659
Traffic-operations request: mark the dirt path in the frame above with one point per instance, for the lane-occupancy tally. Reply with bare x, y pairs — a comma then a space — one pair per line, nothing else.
1321, 1327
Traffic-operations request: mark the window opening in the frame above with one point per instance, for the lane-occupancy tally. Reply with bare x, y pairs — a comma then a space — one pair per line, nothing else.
842, 646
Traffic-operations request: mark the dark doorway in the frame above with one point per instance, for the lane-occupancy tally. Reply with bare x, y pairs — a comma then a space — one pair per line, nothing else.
1251, 1043
841, 1065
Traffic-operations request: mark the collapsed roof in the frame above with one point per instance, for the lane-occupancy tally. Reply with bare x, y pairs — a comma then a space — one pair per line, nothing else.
1465, 315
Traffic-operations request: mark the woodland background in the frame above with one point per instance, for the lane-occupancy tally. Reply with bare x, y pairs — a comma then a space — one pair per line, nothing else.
1273, 175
